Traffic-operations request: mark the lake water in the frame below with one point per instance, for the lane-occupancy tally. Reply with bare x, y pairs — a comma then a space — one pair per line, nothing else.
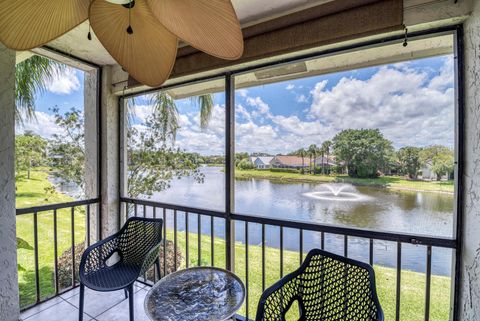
371, 208
67, 188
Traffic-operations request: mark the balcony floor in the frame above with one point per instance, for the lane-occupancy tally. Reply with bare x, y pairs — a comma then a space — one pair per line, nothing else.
101, 306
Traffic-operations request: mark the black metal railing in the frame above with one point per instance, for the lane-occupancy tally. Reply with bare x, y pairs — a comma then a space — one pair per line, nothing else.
203, 236
173, 213
64, 222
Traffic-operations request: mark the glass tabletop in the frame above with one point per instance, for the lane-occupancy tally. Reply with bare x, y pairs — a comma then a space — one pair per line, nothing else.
195, 294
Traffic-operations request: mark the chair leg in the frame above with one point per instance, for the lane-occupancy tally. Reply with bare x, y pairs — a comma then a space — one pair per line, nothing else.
131, 302
126, 293
82, 297
157, 264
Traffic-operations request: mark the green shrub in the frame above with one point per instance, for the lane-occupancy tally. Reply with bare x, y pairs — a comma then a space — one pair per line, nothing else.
65, 263
245, 164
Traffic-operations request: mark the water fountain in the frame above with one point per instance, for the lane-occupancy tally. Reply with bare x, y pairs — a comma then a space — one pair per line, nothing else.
337, 192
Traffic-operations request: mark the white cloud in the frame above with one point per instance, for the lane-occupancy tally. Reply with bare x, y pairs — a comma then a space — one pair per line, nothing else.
64, 83
301, 98
208, 141
293, 125
403, 103
141, 112
445, 78
183, 121
242, 92
408, 105
257, 102
44, 125
290, 87
254, 137
242, 112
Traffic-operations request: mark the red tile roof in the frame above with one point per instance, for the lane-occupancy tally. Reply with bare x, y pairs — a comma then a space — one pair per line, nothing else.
294, 161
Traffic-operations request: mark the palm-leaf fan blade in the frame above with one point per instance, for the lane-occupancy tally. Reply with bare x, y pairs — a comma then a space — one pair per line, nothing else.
211, 26
148, 53
26, 24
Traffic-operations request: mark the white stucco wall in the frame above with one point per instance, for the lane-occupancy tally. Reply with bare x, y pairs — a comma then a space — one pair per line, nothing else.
110, 162
91, 146
9, 302
470, 285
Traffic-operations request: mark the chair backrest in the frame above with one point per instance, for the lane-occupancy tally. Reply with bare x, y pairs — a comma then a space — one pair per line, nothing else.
327, 287
137, 237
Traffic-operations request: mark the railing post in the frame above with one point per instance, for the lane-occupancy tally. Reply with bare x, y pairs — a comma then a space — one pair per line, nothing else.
123, 156
229, 169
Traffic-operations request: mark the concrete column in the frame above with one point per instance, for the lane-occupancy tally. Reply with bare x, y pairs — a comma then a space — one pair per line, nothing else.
91, 109
9, 302
110, 160
470, 283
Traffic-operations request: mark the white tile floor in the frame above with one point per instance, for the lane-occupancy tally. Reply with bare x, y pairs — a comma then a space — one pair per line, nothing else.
100, 306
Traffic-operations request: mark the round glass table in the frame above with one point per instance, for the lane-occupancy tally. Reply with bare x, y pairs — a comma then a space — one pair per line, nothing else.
195, 294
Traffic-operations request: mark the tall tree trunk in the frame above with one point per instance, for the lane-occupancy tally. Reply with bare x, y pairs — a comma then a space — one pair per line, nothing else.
323, 163
328, 166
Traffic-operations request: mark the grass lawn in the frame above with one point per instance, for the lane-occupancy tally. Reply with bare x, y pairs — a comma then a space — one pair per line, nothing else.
32, 193
413, 283
393, 182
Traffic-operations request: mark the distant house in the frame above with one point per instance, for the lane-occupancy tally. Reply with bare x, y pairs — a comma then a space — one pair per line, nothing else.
261, 162
327, 162
427, 173
289, 162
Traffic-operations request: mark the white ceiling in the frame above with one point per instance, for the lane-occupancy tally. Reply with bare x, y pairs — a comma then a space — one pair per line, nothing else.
249, 12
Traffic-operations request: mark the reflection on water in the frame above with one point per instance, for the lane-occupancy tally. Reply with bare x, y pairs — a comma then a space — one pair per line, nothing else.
378, 209
68, 188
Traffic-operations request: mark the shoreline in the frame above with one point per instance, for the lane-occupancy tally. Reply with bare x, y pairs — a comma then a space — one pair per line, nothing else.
318, 179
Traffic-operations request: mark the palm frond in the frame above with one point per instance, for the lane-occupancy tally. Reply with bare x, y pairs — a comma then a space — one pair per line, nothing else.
166, 113
206, 109
31, 78
205, 102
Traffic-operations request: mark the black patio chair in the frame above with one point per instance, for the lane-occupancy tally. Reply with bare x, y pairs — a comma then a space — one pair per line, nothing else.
327, 287
116, 262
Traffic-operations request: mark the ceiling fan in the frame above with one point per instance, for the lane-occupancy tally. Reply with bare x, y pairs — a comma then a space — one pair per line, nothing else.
141, 35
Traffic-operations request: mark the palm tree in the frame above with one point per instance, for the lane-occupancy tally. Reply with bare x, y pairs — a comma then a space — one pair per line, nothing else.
312, 150
34, 74
322, 152
326, 146
302, 153
165, 108
31, 78
206, 107
166, 112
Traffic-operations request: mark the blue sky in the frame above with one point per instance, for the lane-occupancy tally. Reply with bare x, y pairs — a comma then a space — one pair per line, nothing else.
66, 92
281, 97
412, 103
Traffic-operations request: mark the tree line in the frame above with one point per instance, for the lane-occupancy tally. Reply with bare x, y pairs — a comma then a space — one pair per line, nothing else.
366, 153
153, 160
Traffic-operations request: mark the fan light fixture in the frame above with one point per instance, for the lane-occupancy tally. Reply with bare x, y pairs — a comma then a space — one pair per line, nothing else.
141, 35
